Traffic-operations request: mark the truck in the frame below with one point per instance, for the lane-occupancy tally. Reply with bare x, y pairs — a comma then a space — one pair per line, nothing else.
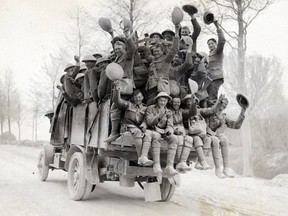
89, 160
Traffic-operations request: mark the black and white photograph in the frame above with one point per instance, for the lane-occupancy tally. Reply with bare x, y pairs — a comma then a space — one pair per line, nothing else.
143, 107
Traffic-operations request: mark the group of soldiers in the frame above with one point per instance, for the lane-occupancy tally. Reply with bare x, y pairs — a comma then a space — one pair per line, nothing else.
153, 101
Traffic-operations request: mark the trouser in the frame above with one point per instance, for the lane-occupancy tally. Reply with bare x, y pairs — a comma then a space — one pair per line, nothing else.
212, 91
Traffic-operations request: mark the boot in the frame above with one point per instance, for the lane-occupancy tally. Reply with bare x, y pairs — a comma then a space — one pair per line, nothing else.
198, 165
225, 155
170, 162
143, 159
179, 152
156, 160
182, 166
114, 131
201, 158
217, 161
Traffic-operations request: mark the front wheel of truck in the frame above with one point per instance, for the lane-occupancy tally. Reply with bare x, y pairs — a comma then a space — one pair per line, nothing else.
79, 188
43, 170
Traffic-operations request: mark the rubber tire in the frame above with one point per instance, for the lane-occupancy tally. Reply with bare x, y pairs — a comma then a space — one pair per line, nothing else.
76, 169
167, 189
43, 170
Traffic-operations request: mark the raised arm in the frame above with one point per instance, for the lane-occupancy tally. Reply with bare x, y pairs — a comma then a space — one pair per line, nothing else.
221, 39
122, 104
238, 123
172, 51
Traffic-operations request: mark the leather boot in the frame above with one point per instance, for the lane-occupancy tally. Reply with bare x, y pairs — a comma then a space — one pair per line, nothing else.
201, 158
114, 131
182, 165
170, 162
156, 160
143, 159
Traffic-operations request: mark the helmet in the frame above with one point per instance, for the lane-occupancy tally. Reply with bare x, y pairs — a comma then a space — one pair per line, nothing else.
89, 58
102, 59
177, 16
97, 55
168, 31
114, 71
82, 67
105, 24
69, 65
163, 94
79, 75
156, 33
49, 112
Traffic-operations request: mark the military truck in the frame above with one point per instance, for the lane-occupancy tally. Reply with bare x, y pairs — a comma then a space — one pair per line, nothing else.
89, 161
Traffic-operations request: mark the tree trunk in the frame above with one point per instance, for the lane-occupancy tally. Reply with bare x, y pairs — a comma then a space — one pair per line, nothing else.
245, 129
19, 130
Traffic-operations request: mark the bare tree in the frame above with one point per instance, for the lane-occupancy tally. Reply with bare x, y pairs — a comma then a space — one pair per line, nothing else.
238, 15
142, 15
20, 113
3, 106
80, 33
268, 103
9, 87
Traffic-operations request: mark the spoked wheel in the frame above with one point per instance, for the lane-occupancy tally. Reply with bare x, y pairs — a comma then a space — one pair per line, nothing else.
43, 170
167, 189
79, 188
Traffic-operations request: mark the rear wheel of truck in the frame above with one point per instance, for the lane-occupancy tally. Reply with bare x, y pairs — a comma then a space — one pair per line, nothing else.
43, 170
79, 188
167, 189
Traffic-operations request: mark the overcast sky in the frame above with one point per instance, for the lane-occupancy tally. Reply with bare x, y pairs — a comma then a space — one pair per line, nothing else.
31, 29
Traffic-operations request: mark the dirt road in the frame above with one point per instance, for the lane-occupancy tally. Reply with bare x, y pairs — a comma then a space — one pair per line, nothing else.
21, 193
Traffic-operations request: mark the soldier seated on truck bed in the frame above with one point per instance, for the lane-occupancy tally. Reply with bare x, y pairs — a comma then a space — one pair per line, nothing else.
133, 121
159, 120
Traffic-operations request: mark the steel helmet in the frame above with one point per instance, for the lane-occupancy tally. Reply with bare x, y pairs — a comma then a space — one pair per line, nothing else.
69, 65
168, 30
82, 67
89, 58
114, 71
102, 59
156, 33
79, 75
163, 94
177, 16
105, 24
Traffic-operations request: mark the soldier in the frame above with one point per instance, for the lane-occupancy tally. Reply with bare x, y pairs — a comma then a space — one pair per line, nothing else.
184, 142
69, 87
168, 35
124, 57
215, 65
159, 120
178, 69
90, 80
218, 122
196, 29
133, 121
105, 85
159, 69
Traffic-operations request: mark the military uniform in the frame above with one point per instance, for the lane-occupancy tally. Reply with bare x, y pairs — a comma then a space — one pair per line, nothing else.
160, 124
215, 68
217, 124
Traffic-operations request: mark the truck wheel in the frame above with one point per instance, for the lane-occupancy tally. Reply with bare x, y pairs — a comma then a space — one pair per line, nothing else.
78, 187
43, 170
167, 189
